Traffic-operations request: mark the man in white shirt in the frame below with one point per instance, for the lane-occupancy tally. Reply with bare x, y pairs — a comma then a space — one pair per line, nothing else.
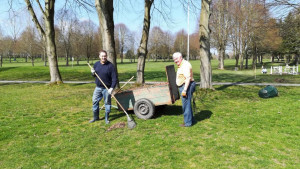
186, 84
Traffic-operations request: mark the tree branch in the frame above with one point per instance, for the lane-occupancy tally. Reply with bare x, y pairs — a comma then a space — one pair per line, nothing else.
34, 18
40, 6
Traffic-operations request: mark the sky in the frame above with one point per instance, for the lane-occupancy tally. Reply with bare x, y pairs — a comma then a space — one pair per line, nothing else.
124, 12
127, 13
176, 17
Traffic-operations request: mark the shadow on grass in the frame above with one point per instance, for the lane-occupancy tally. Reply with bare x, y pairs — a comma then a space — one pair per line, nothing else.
172, 110
224, 87
114, 116
2, 69
81, 84
7, 84
167, 110
230, 77
236, 79
202, 115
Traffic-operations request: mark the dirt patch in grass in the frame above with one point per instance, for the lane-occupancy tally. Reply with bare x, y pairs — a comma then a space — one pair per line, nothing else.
117, 126
279, 80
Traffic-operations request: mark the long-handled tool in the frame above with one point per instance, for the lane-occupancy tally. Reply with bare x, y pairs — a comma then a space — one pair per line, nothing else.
118, 91
130, 122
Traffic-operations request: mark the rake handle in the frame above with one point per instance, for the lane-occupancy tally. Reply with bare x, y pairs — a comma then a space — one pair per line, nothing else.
125, 84
107, 89
120, 88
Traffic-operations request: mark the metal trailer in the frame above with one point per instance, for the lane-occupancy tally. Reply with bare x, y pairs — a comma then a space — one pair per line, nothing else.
144, 99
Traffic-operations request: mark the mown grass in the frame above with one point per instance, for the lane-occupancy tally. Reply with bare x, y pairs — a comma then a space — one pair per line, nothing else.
46, 126
154, 71
43, 126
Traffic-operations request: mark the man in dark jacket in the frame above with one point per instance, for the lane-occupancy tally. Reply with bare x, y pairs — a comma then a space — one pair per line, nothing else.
107, 73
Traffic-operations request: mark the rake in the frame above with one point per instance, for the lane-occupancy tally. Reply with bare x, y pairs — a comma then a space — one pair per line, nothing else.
118, 92
130, 122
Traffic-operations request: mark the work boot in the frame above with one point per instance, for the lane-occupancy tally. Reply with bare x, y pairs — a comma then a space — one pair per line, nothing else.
92, 121
106, 118
96, 117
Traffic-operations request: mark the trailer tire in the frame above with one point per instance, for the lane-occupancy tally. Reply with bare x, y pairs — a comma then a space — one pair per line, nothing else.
144, 109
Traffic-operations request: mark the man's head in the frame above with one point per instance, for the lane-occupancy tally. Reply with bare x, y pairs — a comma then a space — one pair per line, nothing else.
177, 58
103, 56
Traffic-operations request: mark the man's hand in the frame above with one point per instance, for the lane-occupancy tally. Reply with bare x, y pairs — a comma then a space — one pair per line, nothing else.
110, 90
93, 71
183, 93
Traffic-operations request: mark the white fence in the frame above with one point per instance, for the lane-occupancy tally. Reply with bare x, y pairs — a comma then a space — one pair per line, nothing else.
292, 70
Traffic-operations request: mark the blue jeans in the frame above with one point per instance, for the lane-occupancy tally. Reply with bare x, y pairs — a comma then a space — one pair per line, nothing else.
187, 104
100, 93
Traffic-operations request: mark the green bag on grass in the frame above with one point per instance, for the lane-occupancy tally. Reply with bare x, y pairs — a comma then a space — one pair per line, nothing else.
268, 92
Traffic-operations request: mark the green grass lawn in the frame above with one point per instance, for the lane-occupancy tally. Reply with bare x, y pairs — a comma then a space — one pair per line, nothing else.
154, 71
43, 126
46, 126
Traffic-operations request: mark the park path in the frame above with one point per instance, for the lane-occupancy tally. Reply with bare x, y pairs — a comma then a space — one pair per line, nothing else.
214, 83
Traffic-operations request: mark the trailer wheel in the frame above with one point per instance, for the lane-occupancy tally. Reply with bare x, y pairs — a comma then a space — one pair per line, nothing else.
144, 109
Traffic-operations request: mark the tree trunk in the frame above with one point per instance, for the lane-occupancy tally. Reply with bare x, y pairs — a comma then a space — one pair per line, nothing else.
50, 42
67, 58
142, 50
296, 61
45, 56
105, 11
235, 53
49, 37
121, 54
1, 60
242, 56
67, 51
32, 60
87, 53
254, 59
221, 57
246, 64
237, 59
205, 58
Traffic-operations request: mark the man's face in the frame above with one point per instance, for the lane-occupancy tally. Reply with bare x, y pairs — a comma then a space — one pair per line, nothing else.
177, 60
103, 57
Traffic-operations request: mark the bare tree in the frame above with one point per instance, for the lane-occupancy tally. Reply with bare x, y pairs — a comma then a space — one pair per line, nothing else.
180, 43
122, 36
15, 29
169, 40
194, 46
48, 35
1, 47
220, 28
66, 20
156, 41
205, 57
89, 28
77, 41
105, 10
5, 46
28, 43
284, 3
132, 46
142, 50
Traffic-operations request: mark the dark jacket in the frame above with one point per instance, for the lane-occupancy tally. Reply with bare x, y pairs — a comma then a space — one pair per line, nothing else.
107, 73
